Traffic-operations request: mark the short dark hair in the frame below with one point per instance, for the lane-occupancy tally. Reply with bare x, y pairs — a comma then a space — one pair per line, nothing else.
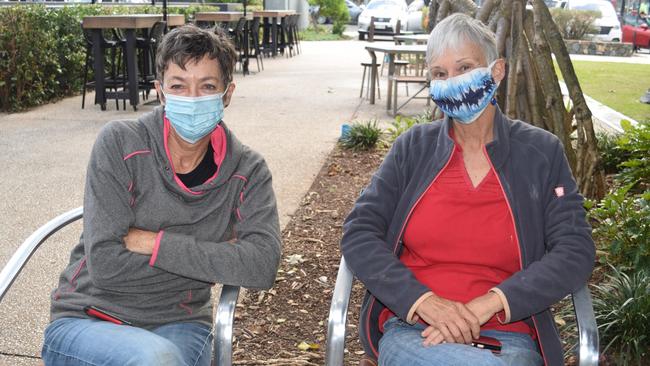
191, 43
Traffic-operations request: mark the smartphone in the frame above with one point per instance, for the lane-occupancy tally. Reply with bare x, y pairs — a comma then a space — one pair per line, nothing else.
98, 313
488, 343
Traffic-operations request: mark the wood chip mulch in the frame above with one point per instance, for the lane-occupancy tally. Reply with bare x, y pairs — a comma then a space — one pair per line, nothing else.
287, 325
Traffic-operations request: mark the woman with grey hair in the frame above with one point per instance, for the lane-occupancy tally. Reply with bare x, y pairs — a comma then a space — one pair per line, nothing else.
174, 203
471, 228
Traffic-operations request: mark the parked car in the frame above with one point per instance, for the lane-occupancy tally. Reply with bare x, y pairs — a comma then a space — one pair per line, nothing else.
609, 28
354, 10
414, 16
636, 30
386, 14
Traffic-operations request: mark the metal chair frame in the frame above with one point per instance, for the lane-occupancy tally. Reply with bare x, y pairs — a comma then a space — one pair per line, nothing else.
336, 324
223, 317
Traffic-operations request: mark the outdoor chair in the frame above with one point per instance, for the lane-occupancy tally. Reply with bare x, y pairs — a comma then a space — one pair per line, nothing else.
336, 324
256, 49
223, 316
148, 46
113, 80
239, 40
367, 67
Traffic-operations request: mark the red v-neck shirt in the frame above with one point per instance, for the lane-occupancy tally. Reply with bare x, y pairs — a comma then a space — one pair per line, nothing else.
460, 240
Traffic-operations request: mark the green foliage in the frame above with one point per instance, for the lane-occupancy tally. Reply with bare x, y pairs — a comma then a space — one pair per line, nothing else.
622, 309
611, 156
575, 24
320, 33
28, 68
402, 124
622, 228
42, 50
335, 10
362, 136
635, 143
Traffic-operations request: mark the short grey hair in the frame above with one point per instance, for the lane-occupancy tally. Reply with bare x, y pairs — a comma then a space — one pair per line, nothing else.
458, 29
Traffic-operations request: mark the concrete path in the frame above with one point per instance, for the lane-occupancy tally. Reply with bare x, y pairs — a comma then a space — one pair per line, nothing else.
291, 112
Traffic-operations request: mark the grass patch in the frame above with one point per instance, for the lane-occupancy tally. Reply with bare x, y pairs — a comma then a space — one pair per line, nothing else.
320, 33
617, 85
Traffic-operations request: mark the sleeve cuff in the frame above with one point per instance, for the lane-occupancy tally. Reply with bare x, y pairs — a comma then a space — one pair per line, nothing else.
506, 307
154, 253
411, 314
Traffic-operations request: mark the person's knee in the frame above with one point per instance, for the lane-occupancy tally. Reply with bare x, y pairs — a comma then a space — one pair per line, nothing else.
159, 352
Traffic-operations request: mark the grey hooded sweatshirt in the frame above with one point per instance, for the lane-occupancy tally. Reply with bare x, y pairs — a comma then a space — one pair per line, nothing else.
223, 231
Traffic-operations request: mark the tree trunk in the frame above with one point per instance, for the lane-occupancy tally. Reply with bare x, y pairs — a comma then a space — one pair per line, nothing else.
516, 34
549, 83
486, 9
443, 10
433, 12
588, 156
464, 6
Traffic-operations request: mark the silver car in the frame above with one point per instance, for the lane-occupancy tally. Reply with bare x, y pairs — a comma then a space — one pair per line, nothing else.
386, 14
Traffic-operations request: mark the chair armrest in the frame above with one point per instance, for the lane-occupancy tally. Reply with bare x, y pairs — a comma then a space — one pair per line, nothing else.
587, 327
336, 324
223, 324
25, 251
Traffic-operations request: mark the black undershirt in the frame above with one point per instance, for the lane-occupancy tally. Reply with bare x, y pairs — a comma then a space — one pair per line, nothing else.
204, 171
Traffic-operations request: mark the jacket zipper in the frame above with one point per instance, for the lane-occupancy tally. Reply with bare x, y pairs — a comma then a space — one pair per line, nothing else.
396, 245
514, 223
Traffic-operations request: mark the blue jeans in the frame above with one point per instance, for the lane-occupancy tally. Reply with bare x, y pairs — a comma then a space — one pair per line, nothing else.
401, 345
76, 341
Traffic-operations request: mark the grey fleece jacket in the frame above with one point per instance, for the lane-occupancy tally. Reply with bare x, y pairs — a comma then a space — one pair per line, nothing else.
223, 231
555, 245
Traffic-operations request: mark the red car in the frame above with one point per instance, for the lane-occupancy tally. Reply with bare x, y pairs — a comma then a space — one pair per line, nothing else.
636, 30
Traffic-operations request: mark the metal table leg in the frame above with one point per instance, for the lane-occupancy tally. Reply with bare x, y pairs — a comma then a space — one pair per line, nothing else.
98, 68
391, 73
132, 68
373, 75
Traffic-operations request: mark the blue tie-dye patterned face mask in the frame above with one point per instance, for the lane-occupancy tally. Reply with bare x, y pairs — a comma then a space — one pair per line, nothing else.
465, 97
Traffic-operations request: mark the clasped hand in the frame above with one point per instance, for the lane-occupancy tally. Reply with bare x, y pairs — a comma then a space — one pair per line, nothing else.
140, 241
455, 322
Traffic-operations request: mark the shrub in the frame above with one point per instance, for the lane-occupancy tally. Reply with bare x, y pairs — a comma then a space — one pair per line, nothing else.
611, 155
28, 67
335, 10
402, 124
362, 136
575, 24
635, 143
622, 309
622, 228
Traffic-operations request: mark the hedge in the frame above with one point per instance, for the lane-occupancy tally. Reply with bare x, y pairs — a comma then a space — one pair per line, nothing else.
42, 50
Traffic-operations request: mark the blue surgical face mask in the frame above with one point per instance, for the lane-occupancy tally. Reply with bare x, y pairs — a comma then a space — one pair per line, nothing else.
465, 97
193, 118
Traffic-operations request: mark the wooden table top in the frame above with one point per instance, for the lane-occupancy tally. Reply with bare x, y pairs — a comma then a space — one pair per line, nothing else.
273, 13
418, 38
130, 21
395, 49
221, 16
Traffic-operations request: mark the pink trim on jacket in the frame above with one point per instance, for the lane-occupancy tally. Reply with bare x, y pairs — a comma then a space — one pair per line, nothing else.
219, 145
156, 246
136, 153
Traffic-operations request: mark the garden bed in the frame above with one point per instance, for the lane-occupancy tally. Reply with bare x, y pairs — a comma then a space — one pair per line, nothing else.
287, 325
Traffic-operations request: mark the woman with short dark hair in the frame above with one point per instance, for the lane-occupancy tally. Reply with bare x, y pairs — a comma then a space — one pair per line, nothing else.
174, 203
